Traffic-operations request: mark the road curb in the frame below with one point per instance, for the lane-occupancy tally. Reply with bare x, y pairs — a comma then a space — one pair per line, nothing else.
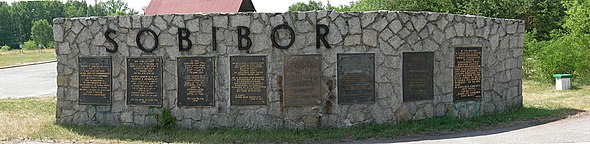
28, 64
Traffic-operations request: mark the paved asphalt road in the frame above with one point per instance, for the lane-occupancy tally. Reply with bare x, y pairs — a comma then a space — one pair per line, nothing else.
28, 81
570, 130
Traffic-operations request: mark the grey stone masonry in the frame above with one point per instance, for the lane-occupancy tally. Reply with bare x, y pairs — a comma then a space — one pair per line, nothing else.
386, 34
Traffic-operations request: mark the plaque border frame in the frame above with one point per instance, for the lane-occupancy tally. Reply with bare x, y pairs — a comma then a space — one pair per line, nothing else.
320, 81
161, 83
374, 80
110, 79
432, 79
266, 102
213, 62
456, 99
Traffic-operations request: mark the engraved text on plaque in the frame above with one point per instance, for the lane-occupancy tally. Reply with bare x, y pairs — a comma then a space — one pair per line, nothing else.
417, 76
95, 80
356, 78
302, 81
467, 73
144, 81
195, 81
248, 84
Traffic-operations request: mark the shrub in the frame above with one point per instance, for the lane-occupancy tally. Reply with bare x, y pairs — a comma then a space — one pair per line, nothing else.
50, 45
5, 48
167, 119
566, 54
30, 45
531, 46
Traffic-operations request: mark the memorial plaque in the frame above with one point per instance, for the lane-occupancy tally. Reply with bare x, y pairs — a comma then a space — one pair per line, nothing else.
417, 76
248, 80
356, 78
94, 80
144, 81
195, 81
302, 82
467, 73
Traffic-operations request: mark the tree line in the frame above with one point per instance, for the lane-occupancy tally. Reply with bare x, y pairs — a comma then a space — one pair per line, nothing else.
29, 20
556, 37
541, 15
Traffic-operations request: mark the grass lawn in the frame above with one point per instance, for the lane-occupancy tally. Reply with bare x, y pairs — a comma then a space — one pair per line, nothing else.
33, 118
17, 57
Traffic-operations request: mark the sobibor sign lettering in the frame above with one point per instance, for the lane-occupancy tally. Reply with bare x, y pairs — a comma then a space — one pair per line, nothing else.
243, 34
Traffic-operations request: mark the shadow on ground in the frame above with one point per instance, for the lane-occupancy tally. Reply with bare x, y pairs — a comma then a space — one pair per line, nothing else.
428, 129
559, 114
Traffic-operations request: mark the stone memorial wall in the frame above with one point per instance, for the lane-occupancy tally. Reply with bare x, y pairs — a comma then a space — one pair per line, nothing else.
292, 70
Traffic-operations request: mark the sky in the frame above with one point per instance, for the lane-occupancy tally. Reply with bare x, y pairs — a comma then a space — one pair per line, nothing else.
261, 5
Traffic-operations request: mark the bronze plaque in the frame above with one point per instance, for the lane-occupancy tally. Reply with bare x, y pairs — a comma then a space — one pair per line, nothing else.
248, 80
417, 76
302, 82
356, 78
144, 81
467, 73
94, 80
195, 81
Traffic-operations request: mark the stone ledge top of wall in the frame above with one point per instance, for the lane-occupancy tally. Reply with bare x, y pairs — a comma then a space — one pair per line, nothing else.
323, 13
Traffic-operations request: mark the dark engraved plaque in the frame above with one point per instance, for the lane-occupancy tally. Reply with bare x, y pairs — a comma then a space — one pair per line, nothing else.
248, 82
467, 73
356, 78
302, 80
94, 80
144, 81
417, 76
195, 81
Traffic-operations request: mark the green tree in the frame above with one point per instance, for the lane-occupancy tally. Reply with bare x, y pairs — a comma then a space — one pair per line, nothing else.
310, 6
566, 52
340, 8
82, 9
96, 10
25, 12
495, 8
117, 7
578, 16
75, 8
543, 15
42, 32
7, 27
546, 17
16, 19
370, 5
